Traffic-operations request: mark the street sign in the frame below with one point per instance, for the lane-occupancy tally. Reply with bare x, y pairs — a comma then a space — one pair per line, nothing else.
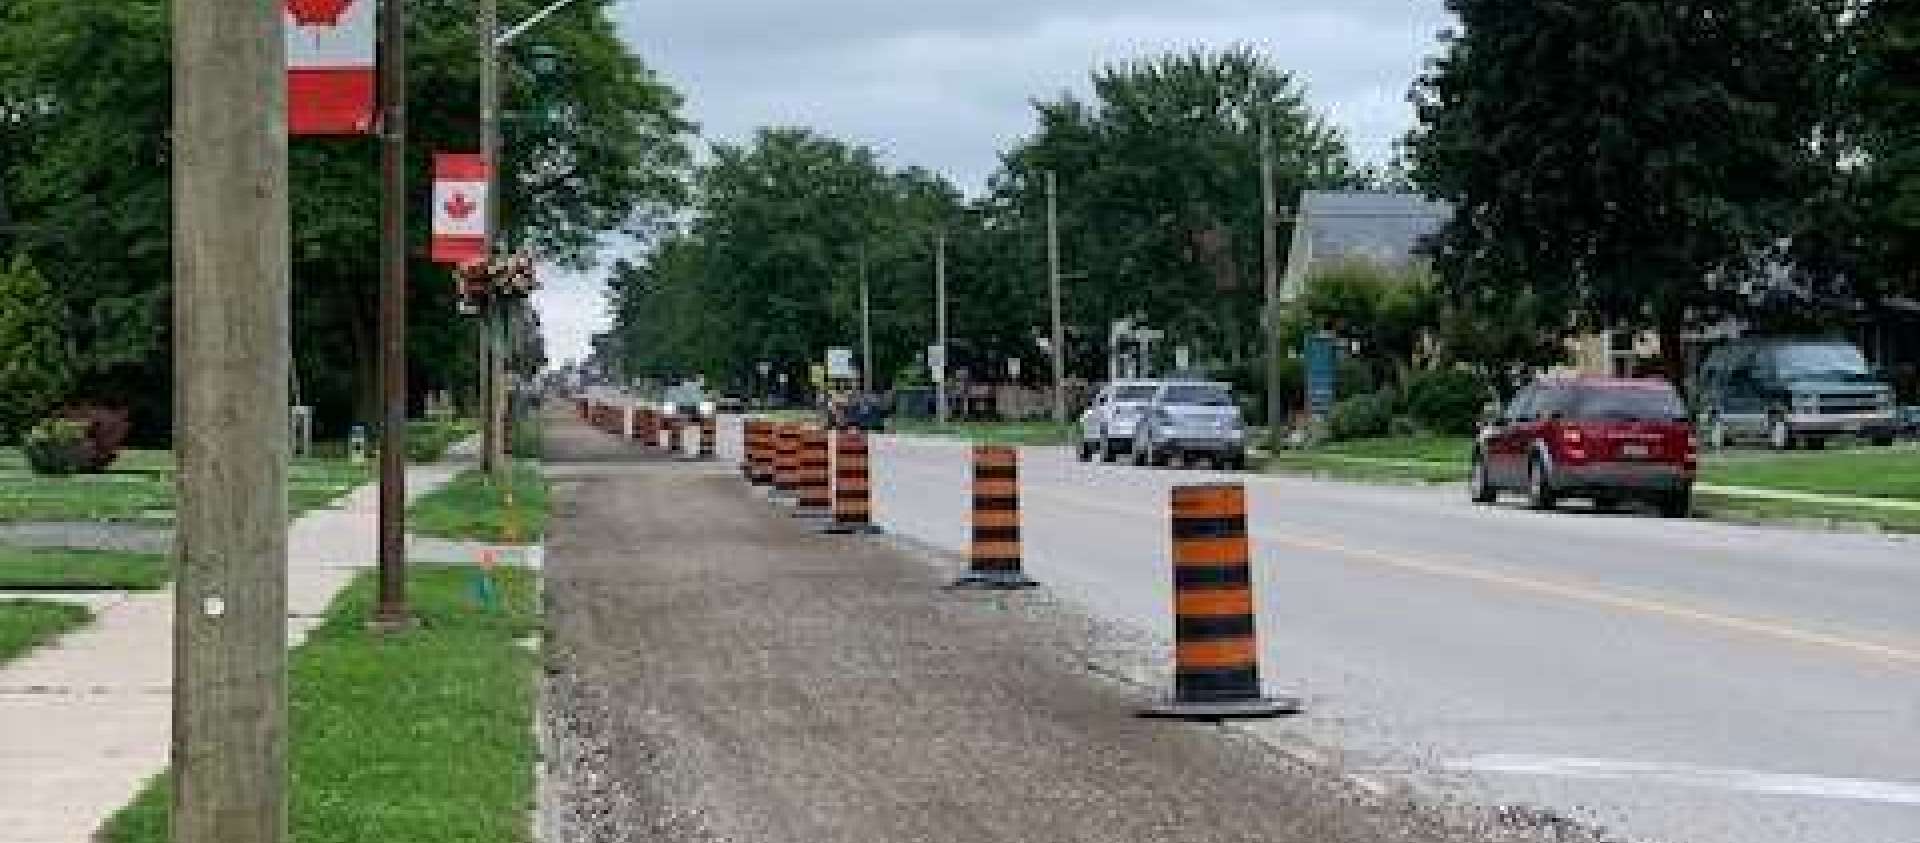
1322, 371
937, 363
840, 364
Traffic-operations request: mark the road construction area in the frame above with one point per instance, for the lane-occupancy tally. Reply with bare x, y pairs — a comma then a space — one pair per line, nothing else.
1668, 680
720, 670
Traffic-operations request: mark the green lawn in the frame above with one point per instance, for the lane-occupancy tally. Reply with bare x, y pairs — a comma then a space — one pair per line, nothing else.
423, 736
139, 488
60, 569
472, 508
26, 624
1874, 473
993, 433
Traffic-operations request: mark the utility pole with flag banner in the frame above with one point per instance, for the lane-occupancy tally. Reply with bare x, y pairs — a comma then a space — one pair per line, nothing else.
459, 208
331, 66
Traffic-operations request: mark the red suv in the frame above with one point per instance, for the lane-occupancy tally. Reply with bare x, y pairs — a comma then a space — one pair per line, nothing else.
1604, 439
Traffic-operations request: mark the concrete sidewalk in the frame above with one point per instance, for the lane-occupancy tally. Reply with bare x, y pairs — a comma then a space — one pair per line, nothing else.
85, 722
720, 671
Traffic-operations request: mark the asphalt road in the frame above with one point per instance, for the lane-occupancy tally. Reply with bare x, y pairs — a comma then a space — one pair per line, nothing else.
1680, 681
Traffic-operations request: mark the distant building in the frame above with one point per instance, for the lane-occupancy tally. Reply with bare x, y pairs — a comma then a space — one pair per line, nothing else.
1389, 229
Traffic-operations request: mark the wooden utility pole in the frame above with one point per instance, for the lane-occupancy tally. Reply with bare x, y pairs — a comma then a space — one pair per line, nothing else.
391, 609
1270, 314
866, 327
231, 353
1053, 296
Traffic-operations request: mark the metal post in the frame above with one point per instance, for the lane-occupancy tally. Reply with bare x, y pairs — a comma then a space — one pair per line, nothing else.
231, 347
1270, 315
1053, 293
392, 607
940, 317
492, 432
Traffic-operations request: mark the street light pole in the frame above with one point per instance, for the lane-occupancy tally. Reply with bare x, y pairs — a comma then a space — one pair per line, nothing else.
231, 350
391, 608
866, 327
490, 353
1053, 295
940, 319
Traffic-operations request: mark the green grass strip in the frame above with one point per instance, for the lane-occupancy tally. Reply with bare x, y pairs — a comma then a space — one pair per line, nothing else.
473, 509
994, 433
423, 737
58, 569
26, 624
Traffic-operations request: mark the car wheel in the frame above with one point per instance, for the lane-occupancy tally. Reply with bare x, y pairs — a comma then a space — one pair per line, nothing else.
1677, 504
1606, 503
1883, 441
1106, 449
1814, 443
1780, 435
1141, 452
1479, 484
1540, 494
1086, 450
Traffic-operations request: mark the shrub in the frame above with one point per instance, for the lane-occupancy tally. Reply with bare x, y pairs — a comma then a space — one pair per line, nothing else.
56, 447
107, 429
34, 373
1362, 416
1446, 401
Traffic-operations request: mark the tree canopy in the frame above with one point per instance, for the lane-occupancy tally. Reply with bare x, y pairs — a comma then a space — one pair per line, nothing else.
1632, 161
595, 145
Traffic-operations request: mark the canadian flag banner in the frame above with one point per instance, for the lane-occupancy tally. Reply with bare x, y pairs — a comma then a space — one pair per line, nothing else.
459, 208
331, 59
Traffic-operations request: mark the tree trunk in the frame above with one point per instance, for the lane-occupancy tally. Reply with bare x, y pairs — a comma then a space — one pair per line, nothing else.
1673, 352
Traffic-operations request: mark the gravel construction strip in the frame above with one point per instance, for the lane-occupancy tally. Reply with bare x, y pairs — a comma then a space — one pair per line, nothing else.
718, 671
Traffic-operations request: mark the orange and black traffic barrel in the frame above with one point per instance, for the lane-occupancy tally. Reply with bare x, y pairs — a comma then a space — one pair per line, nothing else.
709, 437
752, 440
815, 477
1216, 671
852, 489
786, 461
993, 559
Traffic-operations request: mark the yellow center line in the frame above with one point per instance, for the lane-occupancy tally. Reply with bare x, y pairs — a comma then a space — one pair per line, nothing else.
1533, 585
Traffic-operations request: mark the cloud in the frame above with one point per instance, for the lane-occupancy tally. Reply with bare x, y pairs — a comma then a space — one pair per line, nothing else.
947, 85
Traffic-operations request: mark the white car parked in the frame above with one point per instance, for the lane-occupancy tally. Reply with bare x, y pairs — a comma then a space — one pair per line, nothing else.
1108, 425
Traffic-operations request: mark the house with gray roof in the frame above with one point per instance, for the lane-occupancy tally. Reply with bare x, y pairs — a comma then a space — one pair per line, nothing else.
1389, 229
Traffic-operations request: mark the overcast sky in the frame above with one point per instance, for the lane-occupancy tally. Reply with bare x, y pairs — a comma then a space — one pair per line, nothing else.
946, 85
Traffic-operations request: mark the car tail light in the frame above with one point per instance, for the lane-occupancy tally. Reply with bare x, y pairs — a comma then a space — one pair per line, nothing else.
1572, 435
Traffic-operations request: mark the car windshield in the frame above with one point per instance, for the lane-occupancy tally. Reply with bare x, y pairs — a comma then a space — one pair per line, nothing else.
1638, 404
1198, 395
1832, 361
1134, 394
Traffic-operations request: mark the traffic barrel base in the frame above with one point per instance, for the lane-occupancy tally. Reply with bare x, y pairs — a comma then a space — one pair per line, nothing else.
815, 494
1216, 674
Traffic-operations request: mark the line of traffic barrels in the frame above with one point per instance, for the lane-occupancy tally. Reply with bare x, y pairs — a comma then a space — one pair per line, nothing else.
1216, 672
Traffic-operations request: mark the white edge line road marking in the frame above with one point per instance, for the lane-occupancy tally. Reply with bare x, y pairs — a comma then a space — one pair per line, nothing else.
1688, 775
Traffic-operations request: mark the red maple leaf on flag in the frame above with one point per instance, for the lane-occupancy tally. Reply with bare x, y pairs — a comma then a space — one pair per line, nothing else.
460, 207
318, 12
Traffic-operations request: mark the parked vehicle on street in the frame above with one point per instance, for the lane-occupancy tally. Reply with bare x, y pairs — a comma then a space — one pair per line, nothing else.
1608, 440
1793, 392
1187, 421
1110, 420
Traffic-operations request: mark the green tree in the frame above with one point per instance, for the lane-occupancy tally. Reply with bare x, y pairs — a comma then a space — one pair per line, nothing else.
594, 145
770, 270
1636, 160
1160, 195
1885, 99
33, 352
